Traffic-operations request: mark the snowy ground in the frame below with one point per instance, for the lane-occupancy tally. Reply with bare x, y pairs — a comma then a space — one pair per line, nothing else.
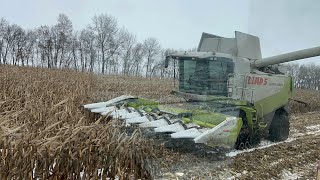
295, 158
263, 144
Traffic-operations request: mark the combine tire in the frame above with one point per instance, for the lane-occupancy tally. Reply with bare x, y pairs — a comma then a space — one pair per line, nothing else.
279, 128
243, 140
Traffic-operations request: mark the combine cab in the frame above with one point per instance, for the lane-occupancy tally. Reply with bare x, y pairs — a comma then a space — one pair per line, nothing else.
233, 97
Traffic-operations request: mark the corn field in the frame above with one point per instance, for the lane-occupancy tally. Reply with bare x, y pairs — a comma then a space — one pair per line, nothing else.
45, 134
310, 97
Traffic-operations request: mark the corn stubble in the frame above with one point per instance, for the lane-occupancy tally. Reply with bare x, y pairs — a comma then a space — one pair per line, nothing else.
311, 99
46, 134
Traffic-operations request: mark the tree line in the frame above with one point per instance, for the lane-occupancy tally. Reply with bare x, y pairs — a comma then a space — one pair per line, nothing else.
305, 76
101, 47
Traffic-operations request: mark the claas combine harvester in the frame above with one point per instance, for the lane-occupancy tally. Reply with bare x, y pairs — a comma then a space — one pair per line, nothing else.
233, 96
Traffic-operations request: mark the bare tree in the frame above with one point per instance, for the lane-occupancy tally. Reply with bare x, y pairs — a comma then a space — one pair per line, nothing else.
45, 45
29, 47
74, 45
18, 39
137, 58
105, 29
129, 40
115, 52
305, 76
293, 71
3, 26
101, 47
152, 49
62, 34
10, 33
20, 44
88, 51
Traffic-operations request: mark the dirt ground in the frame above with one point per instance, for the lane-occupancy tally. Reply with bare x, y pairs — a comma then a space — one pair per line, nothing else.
295, 158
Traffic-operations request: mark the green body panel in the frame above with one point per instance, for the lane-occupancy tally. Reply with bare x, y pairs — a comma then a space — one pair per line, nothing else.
199, 122
198, 116
292, 86
236, 130
231, 139
197, 113
144, 104
276, 101
250, 112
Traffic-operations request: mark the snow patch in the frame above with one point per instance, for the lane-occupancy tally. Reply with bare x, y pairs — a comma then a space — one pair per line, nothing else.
285, 174
313, 130
237, 175
263, 144
315, 127
313, 133
179, 174
298, 134
276, 162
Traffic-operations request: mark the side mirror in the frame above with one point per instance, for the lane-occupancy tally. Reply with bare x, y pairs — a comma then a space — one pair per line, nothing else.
166, 62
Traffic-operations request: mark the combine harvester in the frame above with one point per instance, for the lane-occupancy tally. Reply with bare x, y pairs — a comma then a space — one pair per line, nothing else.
233, 97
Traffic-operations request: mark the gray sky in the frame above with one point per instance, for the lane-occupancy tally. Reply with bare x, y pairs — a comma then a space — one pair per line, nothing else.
286, 25
282, 25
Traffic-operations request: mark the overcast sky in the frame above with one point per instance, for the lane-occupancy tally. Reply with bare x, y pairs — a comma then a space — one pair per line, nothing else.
282, 25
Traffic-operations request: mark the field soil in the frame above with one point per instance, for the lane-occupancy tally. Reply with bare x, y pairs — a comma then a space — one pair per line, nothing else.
295, 158
46, 134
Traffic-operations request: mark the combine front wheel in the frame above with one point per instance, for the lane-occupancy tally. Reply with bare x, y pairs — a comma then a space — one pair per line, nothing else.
279, 128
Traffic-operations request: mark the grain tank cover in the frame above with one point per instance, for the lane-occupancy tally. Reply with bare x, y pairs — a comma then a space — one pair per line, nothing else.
243, 45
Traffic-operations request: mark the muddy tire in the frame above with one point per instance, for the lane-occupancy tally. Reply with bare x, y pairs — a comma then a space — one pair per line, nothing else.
279, 128
243, 140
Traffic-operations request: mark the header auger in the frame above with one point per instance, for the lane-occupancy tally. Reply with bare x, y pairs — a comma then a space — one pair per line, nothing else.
233, 96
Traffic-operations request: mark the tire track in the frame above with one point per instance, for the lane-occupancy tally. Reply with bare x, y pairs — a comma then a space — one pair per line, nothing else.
297, 156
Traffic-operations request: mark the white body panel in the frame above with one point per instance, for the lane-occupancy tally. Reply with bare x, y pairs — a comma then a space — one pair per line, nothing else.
219, 132
254, 87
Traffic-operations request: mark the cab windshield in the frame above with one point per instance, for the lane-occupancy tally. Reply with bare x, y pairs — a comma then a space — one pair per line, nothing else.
205, 76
